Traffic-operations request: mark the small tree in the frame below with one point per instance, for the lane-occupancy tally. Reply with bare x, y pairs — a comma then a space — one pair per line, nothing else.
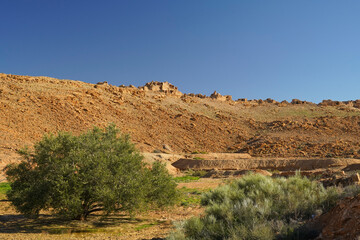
77, 175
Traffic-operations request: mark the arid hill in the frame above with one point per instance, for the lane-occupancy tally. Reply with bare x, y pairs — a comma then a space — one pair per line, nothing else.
159, 117
320, 139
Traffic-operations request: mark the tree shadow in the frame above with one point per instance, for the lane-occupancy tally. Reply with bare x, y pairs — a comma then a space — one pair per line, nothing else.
52, 224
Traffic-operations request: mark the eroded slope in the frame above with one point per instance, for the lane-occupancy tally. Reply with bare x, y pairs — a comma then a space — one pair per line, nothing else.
159, 115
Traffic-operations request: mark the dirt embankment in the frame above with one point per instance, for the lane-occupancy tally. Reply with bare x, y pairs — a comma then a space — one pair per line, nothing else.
280, 164
341, 222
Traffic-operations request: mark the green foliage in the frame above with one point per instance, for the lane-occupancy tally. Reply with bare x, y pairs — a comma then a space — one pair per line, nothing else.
190, 196
4, 188
198, 173
258, 207
191, 176
186, 178
143, 226
77, 175
350, 191
199, 152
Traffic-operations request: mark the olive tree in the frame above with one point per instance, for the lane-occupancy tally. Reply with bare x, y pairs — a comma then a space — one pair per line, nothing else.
74, 176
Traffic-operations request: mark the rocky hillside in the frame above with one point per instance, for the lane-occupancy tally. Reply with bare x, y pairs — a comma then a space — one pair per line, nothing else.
160, 117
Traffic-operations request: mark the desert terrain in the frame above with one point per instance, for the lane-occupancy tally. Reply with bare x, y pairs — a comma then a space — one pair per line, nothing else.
159, 117
221, 136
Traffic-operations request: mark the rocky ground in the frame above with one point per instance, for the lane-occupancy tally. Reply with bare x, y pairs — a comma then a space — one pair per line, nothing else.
159, 117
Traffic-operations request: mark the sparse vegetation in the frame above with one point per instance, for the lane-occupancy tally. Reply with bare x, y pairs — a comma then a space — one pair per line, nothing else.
186, 178
78, 175
148, 225
196, 173
4, 188
260, 207
190, 196
191, 176
199, 152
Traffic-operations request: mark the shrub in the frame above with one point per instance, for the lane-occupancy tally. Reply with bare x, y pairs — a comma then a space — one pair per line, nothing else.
258, 207
77, 175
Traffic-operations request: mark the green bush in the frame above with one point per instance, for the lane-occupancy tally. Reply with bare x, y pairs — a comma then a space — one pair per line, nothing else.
4, 188
77, 175
258, 207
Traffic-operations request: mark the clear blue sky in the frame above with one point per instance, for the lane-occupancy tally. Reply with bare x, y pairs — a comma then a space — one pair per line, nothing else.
306, 49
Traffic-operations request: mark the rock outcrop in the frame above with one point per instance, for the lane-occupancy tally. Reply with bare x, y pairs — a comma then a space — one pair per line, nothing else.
349, 104
218, 96
163, 87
